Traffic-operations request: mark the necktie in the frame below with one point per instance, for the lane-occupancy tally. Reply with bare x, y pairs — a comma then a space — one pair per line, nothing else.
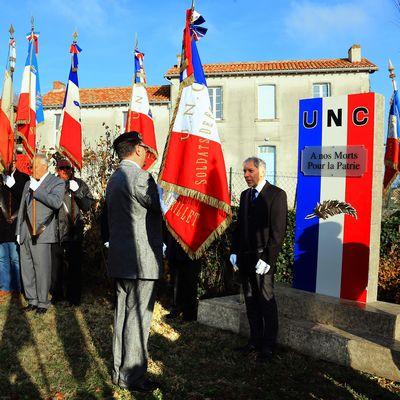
253, 195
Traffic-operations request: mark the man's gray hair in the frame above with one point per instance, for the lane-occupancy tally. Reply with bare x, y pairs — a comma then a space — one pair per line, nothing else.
42, 158
258, 163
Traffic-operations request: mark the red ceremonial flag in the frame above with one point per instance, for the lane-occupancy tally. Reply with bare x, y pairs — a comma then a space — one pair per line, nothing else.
392, 153
7, 108
30, 107
70, 143
139, 117
195, 195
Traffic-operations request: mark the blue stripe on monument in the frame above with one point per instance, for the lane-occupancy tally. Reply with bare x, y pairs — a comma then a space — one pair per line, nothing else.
308, 194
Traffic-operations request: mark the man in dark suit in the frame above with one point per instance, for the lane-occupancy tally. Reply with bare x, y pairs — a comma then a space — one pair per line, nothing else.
257, 241
67, 254
134, 259
37, 230
12, 184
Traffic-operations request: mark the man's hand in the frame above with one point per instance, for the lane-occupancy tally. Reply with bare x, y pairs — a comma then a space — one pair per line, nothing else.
73, 185
164, 249
34, 184
262, 267
233, 260
18, 239
9, 181
107, 245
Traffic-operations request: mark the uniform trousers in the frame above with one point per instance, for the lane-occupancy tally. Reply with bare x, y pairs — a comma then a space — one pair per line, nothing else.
133, 313
36, 272
67, 271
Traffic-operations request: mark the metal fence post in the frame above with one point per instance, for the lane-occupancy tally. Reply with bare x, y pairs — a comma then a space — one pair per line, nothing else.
230, 182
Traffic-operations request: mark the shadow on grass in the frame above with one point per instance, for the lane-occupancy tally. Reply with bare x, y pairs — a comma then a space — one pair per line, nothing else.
201, 364
16, 334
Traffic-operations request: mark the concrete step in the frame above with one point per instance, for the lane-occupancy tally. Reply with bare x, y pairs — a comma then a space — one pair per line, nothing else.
366, 352
377, 318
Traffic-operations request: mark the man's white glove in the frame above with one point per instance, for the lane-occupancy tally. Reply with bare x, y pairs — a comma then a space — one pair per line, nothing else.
107, 245
262, 267
34, 184
233, 260
9, 181
73, 185
164, 249
18, 239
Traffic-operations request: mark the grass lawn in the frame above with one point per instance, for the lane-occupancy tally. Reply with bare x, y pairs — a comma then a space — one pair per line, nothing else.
66, 354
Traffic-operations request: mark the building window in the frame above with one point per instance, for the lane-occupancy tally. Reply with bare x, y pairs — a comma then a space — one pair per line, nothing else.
268, 154
215, 94
266, 102
321, 90
57, 121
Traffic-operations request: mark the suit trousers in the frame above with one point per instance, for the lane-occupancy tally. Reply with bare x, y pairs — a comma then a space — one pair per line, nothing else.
261, 307
36, 272
133, 313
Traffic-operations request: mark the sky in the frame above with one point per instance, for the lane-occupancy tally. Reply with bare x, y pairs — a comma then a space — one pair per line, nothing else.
239, 30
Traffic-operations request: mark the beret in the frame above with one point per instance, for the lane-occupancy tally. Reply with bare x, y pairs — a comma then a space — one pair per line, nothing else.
133, 136
63, 163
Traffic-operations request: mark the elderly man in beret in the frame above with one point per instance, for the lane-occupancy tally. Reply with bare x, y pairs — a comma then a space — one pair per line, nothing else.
134, 259
67, 254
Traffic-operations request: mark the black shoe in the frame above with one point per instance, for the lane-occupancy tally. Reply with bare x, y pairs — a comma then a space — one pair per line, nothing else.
265, 355
247, 349
143, 387
41, 310
172, 315
29, 307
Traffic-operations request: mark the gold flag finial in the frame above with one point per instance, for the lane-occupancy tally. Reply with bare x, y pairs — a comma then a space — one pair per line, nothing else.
192, 4
75, 36
33, 23
11, 30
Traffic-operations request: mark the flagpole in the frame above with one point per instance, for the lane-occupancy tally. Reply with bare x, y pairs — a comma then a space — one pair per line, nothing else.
34, 149
11, 63
392, 75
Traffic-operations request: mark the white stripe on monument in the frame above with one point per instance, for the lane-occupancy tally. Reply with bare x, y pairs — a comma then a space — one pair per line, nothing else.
330, 239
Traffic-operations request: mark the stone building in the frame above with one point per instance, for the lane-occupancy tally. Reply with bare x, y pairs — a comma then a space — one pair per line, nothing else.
254, 103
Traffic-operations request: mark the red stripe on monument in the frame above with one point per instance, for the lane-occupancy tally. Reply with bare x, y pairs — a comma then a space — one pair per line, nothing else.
196, 163
356, 238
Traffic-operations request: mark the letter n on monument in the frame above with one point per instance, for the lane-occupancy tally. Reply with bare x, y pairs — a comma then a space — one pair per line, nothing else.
339, 256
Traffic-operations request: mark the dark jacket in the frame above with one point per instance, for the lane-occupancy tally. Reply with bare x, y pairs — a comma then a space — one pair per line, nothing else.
10, 199
70, 219
261, 224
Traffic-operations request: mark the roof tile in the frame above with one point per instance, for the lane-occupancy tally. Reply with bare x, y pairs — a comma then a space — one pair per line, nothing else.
112, 95
289, 65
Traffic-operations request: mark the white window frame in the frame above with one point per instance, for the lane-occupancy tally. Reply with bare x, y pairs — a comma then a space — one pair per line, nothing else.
212, 92
321, 86
262, 115
124, 118
57, 127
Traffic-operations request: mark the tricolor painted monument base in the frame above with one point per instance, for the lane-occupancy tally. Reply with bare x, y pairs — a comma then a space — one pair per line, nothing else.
339, 196
362, 336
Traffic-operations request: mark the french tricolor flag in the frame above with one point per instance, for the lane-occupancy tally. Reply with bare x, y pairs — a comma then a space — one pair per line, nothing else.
333, 255
139, 117
195, 196
70, 142
30, 108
